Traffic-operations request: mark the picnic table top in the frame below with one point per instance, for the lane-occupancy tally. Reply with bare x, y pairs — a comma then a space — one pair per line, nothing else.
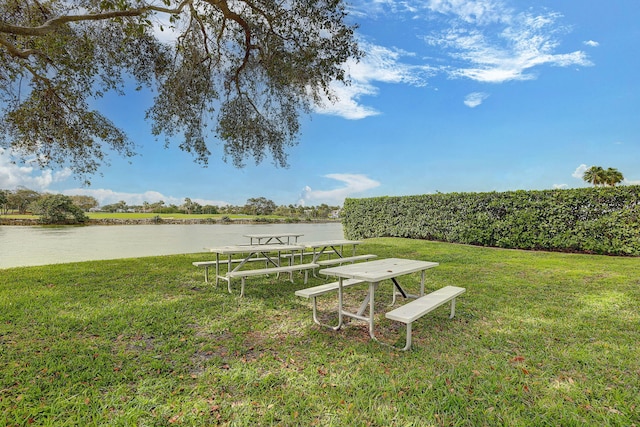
378, 270
243, 249
272, 235
323, 243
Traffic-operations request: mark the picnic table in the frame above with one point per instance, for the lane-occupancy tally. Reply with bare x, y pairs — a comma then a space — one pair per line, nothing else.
277, 238
329, 247
281, 238
374, 272
265, 252
248, 252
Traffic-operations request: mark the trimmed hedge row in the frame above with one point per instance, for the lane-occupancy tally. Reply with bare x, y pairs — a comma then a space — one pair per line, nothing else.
602, 220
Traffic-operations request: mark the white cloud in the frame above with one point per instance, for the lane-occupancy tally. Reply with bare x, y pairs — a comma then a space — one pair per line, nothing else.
471, 11
354, 183
482, 40
383, 64
560, 186
591, 43
348, 104
14, 175
580, 170
107, 197
506, 51
475, 98
380, 64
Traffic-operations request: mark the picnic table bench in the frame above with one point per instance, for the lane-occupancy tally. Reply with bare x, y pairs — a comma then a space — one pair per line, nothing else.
271, 253
243, 274
316, 291
417, 308
214, 263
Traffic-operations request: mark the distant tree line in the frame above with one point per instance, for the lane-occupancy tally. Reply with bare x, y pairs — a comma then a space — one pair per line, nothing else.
58, 208
254, 206
52, 208
23, 200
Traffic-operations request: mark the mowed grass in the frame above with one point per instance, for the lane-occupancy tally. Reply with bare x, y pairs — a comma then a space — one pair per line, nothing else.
539, 339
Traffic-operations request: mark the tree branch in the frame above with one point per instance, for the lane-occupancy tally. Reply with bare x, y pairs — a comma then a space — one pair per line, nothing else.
54, 23
203, 29
14, 51
229, 14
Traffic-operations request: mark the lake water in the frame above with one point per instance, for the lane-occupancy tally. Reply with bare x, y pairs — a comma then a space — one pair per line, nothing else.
28, 246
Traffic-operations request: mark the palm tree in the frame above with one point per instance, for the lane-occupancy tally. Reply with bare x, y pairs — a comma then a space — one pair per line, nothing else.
595, 175
613, 176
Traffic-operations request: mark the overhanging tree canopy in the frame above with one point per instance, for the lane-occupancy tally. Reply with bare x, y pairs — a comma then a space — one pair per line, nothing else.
238, 70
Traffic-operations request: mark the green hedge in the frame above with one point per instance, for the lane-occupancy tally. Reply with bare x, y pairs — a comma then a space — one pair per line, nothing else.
594, 220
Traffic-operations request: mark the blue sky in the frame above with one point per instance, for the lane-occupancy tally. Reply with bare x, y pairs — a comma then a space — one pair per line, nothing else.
453, 96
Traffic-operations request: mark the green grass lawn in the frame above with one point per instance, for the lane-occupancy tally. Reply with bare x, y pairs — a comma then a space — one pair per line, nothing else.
539, 339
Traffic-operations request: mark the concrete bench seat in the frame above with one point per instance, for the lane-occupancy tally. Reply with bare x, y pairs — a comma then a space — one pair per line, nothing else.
415, 309
243, 274
207, 264
316, 291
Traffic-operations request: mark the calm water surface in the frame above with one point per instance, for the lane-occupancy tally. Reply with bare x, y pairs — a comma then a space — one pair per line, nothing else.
27, 246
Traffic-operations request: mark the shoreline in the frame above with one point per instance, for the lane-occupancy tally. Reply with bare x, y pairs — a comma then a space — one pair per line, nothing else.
162, 221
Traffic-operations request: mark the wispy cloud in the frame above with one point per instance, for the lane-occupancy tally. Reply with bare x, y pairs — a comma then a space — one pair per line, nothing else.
14, 175
353, 184
506, 50
591, 43
348, 101
475, 98
479, 12
482, 40
381, 64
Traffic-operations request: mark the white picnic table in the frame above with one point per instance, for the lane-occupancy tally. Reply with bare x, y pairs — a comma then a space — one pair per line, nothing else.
248, 251
281, 238
329, 246
374, 272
